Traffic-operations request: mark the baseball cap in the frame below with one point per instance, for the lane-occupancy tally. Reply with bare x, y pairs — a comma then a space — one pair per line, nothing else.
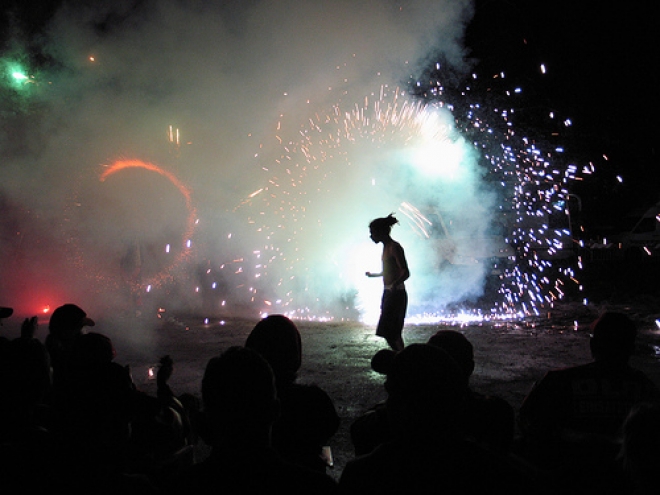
68, 318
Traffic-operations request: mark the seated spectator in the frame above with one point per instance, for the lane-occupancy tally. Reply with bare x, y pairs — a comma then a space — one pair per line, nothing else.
107, 424
27, 446
239, 408
428, 452
95, 425
488, 420
25, 379
640, 448
66, 323
308, 418
571, 419
373, 427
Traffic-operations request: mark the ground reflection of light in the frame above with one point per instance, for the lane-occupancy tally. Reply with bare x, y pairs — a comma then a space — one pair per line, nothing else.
297, 315
462, 318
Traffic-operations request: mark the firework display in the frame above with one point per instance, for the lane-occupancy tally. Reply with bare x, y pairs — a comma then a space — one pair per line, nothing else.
504, 195
483, 207
235, 171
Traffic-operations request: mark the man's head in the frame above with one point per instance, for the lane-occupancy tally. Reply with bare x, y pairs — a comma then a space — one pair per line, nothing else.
381, 362
425, 388
67, 321
457, 346
613, 337
278, 341
238, 394
379, 229
92, 349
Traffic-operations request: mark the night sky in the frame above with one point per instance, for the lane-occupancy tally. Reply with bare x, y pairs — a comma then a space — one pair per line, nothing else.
600, 60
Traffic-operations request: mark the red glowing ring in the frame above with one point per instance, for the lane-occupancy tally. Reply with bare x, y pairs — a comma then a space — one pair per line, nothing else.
120, 165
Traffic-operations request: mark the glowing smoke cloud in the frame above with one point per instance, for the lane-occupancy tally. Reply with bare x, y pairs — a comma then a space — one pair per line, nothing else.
126, 73
351, 164
285, 121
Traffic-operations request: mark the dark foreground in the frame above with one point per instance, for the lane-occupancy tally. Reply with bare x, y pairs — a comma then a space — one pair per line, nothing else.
510, 356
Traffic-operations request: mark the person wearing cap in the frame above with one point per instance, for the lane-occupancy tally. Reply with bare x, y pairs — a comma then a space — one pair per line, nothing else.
571, 418
65, 325
103, 420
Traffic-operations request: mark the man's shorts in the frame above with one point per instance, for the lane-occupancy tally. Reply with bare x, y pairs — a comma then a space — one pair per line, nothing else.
393, 308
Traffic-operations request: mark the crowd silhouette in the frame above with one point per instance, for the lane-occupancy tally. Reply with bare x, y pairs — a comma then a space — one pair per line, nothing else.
73, 420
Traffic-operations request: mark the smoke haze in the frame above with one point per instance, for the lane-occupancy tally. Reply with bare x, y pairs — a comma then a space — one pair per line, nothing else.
267, 112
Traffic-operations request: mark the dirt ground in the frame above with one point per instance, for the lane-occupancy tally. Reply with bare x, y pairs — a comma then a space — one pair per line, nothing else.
509, 356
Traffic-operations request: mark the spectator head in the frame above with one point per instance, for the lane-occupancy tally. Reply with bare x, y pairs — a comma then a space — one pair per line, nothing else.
382, 361
613, 337
425, 389
457, 346
6, 312
91, 349
238, 396
278, 341
100, 405
67, 321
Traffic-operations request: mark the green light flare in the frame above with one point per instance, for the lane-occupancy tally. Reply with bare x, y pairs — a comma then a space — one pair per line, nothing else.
15, 74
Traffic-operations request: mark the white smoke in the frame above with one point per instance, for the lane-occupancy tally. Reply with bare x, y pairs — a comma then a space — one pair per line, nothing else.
207, 90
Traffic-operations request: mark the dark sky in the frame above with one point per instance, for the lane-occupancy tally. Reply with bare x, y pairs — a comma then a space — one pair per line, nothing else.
600, 59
